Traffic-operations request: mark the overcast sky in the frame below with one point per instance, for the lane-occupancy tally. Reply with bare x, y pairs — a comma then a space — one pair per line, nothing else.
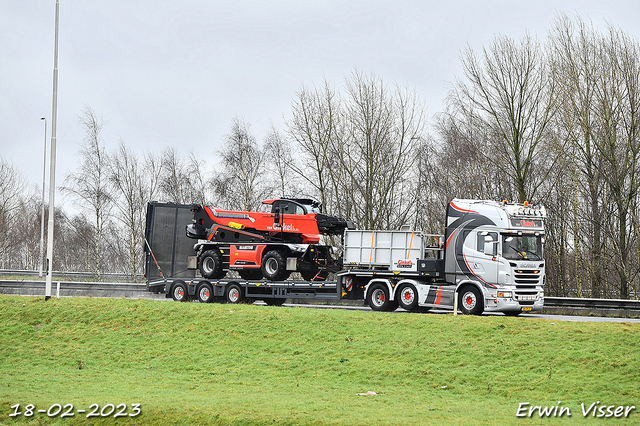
175, 73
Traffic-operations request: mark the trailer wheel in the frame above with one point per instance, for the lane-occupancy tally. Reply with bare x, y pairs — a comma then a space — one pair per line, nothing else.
211, 264
378, 297
274, 302
179, 292
470, 301
274, 266
233, 294
205, 293
407, 297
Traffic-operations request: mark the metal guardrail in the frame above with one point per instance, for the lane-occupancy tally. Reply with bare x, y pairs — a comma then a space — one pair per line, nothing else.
575, 302
139, 290
71, 288
19, 272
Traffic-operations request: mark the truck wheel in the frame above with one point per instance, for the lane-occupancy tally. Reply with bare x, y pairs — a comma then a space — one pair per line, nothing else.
274, 266
179, 292
211, 264
205, 293
250, 274
407, 297
233, 294
274, 302
378, 297
470, 301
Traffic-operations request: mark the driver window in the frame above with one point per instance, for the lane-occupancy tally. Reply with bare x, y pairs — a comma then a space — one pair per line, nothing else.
480, 239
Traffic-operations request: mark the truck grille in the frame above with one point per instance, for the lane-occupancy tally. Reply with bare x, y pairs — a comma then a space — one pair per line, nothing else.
527, 278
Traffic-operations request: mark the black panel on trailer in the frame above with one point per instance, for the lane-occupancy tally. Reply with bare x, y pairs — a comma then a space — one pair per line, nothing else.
165, 232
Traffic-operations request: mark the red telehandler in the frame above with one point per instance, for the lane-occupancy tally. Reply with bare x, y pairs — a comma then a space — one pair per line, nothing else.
266, 244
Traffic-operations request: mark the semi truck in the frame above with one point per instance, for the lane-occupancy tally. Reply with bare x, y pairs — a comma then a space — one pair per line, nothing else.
489, 259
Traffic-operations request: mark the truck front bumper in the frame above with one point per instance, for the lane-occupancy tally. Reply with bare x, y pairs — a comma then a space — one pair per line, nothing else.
502, 304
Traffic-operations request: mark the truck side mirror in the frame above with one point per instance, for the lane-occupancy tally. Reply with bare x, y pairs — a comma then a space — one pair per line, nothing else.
276, 215
490, 248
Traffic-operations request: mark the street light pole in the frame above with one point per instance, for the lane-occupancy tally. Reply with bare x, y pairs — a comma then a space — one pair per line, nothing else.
44, 169
52, 164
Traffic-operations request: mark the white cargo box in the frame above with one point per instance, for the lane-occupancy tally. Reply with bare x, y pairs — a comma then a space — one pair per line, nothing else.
394, 250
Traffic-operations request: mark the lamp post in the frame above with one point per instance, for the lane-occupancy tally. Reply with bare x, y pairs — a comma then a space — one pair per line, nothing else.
52, 164
44, 169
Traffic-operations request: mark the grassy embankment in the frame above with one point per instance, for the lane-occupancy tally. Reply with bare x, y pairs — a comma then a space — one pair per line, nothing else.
189, 363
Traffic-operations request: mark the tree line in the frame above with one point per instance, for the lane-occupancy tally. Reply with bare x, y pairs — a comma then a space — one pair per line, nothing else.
553, 122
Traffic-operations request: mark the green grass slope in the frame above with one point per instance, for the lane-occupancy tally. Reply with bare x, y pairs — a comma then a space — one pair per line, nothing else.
190, 363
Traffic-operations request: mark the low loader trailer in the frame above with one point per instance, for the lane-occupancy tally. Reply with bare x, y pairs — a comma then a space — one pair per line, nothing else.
490, 259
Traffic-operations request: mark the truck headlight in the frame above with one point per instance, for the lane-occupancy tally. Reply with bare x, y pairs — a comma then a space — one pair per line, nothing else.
504, 294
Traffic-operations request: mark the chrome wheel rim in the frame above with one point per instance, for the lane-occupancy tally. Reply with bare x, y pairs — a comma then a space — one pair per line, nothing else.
469, 300
234, 295
407, 295
271, 266
207, 265
378, 297
178, 293
204, 294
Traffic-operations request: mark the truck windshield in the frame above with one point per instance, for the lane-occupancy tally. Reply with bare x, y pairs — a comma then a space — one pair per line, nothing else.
518, 247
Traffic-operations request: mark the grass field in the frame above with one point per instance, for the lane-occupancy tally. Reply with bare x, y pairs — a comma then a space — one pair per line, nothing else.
190, 363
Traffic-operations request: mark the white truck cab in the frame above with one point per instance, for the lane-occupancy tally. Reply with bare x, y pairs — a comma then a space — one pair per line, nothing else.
497, 248
491, 257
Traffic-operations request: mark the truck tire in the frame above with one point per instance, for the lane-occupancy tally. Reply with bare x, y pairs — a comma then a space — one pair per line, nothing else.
250, 274
205, 293
179, 292
233, 294
274, 266
407, 297
470, 301
274, 302
211, 264
378, 298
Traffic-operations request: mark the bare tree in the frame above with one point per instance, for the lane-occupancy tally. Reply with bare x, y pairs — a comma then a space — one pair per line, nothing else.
174, 184
199, 184
12, 191
278, 151
314, 128
378, 150
464, 167
75, 242
431, 201
134, 186
90, 184
576, 66
182, 180
238, 183
358, 152
510, 90
153, 173
25, 235
617, 140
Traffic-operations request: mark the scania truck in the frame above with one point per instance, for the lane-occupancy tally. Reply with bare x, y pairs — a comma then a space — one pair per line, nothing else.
490, 259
